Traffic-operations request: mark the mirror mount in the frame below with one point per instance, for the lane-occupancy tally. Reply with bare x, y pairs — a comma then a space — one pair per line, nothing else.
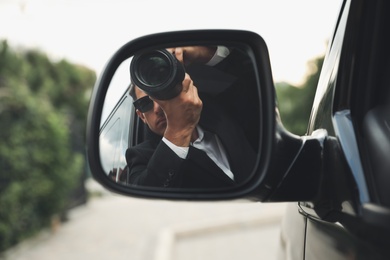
296, 169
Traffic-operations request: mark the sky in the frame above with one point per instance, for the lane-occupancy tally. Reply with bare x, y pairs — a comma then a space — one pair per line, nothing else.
88, 32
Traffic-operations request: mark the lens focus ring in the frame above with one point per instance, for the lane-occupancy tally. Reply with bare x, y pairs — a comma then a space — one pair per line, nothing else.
158, 73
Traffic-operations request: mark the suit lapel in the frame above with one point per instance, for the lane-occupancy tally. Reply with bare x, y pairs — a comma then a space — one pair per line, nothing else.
204, 162
240, 155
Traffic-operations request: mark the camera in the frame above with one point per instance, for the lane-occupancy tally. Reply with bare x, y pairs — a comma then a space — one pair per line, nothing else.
158, 73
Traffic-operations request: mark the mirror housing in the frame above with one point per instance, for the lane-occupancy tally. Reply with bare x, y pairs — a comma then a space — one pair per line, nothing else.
274, 177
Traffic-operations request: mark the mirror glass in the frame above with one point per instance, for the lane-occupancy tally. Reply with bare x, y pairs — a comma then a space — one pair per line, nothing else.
182, 118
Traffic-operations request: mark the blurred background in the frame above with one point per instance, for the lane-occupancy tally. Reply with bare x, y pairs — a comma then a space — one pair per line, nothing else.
51, 53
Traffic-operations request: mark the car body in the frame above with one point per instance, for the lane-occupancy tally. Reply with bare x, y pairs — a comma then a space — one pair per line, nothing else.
350, 217
338, 173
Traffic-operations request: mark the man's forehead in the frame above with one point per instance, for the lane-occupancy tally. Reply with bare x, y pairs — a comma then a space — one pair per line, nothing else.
139, 92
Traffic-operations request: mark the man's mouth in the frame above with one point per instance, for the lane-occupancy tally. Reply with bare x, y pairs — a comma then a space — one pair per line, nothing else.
161, 120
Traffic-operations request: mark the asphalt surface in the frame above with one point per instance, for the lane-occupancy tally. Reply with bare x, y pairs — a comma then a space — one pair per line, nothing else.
116, 227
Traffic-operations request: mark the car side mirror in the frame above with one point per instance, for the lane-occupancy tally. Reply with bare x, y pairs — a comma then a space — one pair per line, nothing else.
230, 151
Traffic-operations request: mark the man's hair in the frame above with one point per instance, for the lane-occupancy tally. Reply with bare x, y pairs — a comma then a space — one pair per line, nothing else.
132, 91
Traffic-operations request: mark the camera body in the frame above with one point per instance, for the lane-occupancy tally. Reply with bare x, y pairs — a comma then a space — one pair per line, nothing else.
158, 73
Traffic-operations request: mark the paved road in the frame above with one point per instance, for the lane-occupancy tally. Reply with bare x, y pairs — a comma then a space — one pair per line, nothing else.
116, 227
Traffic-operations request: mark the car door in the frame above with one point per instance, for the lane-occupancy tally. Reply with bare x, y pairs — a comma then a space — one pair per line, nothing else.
350, 217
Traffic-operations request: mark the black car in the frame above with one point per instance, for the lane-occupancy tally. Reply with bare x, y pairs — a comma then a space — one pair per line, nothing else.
338, 173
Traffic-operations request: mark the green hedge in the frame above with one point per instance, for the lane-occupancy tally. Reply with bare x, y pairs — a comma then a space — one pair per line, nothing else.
40, 164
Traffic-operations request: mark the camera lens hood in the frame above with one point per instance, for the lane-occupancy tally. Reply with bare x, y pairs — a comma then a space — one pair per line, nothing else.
158, 73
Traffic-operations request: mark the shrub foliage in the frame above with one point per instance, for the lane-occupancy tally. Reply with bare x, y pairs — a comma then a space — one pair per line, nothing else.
43, 106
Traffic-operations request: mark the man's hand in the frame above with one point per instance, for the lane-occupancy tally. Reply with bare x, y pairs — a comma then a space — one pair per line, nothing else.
193, 54
182, 114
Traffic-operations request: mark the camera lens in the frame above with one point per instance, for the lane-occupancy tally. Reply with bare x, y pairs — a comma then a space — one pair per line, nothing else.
154, 70
158, 73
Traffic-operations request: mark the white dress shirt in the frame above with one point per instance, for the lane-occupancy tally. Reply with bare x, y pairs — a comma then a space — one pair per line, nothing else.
209, 143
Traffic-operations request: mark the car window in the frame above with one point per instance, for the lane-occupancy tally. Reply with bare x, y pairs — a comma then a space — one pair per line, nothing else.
373, 109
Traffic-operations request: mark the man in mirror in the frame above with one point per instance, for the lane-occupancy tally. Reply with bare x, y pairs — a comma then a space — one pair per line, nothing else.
197, 142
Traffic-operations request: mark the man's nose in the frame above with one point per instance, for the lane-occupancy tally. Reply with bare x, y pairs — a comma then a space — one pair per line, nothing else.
156, 107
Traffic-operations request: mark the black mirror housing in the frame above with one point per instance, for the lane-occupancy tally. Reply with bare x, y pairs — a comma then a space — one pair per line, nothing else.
258, 185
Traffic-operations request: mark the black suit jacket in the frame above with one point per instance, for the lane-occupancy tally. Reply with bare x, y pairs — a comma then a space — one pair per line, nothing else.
153, 163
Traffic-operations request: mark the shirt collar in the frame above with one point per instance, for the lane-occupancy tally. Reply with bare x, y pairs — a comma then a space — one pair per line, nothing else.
200, 134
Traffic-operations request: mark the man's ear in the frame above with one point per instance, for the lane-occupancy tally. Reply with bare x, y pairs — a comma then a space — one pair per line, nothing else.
140, 115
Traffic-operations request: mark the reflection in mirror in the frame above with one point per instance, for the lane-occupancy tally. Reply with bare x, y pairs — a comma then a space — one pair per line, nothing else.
184, 117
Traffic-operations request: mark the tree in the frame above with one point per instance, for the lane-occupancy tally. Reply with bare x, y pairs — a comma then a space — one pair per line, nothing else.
295, 102
42, 106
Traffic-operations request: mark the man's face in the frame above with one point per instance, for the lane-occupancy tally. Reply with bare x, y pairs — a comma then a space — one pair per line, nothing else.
154, 118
